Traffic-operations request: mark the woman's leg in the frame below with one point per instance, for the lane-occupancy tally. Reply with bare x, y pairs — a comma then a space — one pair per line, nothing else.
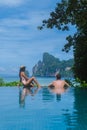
32, 79
29, 81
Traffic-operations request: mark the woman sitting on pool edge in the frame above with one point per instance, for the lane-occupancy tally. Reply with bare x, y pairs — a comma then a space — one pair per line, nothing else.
25, 80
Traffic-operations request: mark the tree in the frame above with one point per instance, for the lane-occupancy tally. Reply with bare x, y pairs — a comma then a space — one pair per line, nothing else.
72, 12
1, 82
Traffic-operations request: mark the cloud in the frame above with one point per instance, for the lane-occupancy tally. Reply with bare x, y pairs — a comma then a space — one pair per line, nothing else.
21, 41
14, 22
33, 19
2, 69
11, 2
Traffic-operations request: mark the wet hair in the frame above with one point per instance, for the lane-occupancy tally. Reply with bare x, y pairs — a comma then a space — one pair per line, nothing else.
58, 76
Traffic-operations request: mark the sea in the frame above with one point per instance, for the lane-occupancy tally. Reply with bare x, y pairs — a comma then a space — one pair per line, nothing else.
43, 81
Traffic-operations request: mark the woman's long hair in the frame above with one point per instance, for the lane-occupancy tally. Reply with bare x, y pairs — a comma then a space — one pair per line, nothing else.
22, 69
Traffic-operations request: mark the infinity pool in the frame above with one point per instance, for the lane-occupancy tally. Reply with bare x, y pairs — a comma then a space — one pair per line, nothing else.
44, 110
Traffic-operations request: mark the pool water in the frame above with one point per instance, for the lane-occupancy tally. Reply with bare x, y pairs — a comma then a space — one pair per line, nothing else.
44, 110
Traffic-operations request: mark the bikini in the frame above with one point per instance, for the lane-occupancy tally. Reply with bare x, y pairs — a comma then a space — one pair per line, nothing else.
23, 80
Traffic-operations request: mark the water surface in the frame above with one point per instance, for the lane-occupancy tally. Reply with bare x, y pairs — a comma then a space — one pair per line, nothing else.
44, 110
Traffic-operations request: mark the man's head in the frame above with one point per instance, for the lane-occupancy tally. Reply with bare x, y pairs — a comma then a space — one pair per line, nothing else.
58, 76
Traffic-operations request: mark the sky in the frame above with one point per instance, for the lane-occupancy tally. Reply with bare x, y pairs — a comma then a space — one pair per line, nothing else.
21, 43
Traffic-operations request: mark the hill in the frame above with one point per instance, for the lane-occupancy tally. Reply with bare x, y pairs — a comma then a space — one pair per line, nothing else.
50, 64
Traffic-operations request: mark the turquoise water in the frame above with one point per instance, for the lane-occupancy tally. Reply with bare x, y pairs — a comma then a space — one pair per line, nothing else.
44, 110
44, 81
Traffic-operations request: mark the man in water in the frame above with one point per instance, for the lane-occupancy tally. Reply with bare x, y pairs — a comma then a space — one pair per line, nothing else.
58, 85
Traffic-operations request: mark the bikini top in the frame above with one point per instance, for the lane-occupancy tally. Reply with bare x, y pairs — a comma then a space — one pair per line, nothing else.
23, 80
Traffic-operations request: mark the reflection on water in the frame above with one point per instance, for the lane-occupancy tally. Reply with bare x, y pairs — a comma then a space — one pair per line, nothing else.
80, 105
43, 109
25, 91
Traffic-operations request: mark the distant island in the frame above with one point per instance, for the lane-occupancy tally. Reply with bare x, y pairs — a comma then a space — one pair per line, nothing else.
50, 65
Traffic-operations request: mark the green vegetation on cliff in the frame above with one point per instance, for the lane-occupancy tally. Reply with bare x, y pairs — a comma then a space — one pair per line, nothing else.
50, 64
